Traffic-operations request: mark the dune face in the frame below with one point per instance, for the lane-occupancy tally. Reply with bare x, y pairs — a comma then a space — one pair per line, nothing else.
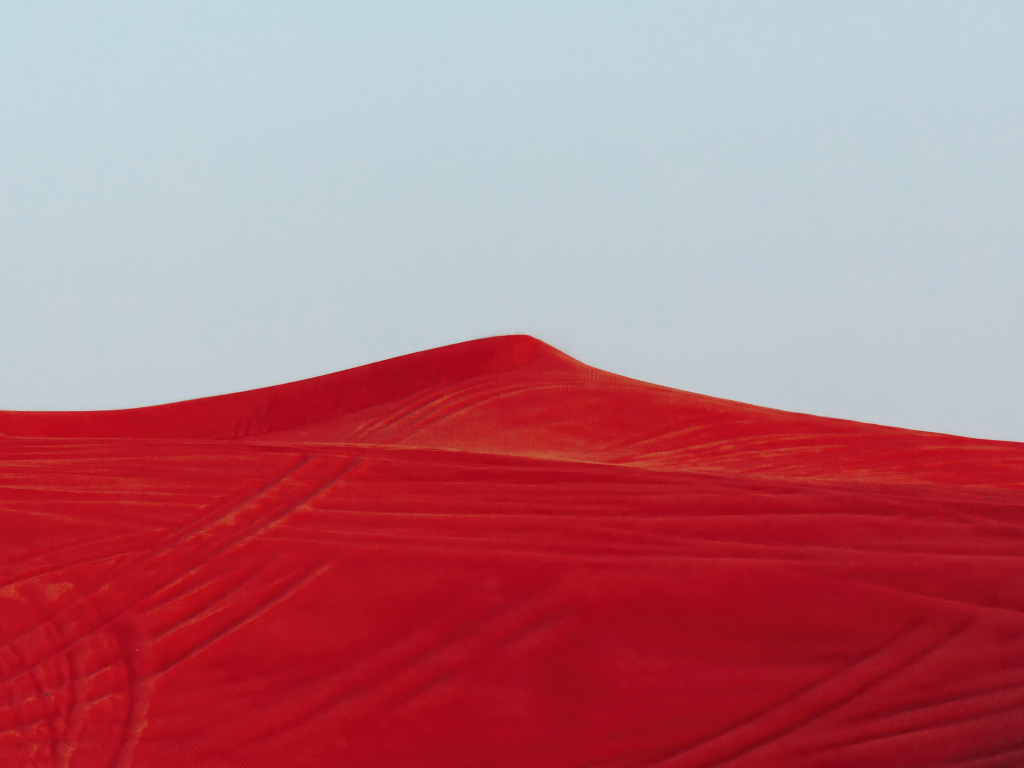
491, 554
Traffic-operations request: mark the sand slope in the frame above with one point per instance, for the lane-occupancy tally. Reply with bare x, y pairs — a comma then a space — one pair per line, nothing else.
491, 554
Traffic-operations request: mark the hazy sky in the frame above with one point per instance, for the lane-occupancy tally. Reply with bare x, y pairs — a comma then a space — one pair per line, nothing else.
807, 205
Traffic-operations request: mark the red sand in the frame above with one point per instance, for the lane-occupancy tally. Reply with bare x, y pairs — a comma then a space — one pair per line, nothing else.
492, 555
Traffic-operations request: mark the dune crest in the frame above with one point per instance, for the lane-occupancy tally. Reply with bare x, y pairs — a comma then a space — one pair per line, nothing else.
290, 405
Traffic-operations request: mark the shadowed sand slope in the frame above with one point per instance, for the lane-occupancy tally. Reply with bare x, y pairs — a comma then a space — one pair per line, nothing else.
491, 554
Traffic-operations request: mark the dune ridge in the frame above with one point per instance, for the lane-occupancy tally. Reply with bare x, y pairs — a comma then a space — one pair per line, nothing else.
289, 405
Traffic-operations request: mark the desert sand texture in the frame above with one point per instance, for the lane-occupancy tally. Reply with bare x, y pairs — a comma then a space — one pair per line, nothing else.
491, 554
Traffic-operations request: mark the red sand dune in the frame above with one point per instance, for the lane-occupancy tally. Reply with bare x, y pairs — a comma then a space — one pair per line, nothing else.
493, 555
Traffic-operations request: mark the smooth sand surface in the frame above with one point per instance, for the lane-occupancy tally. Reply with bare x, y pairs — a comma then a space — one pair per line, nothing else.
491, 554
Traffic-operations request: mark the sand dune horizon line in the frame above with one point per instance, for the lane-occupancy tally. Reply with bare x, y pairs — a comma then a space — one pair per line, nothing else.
307, 401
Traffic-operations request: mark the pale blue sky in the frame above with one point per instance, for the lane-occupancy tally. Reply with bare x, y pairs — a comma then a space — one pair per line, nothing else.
812, 206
